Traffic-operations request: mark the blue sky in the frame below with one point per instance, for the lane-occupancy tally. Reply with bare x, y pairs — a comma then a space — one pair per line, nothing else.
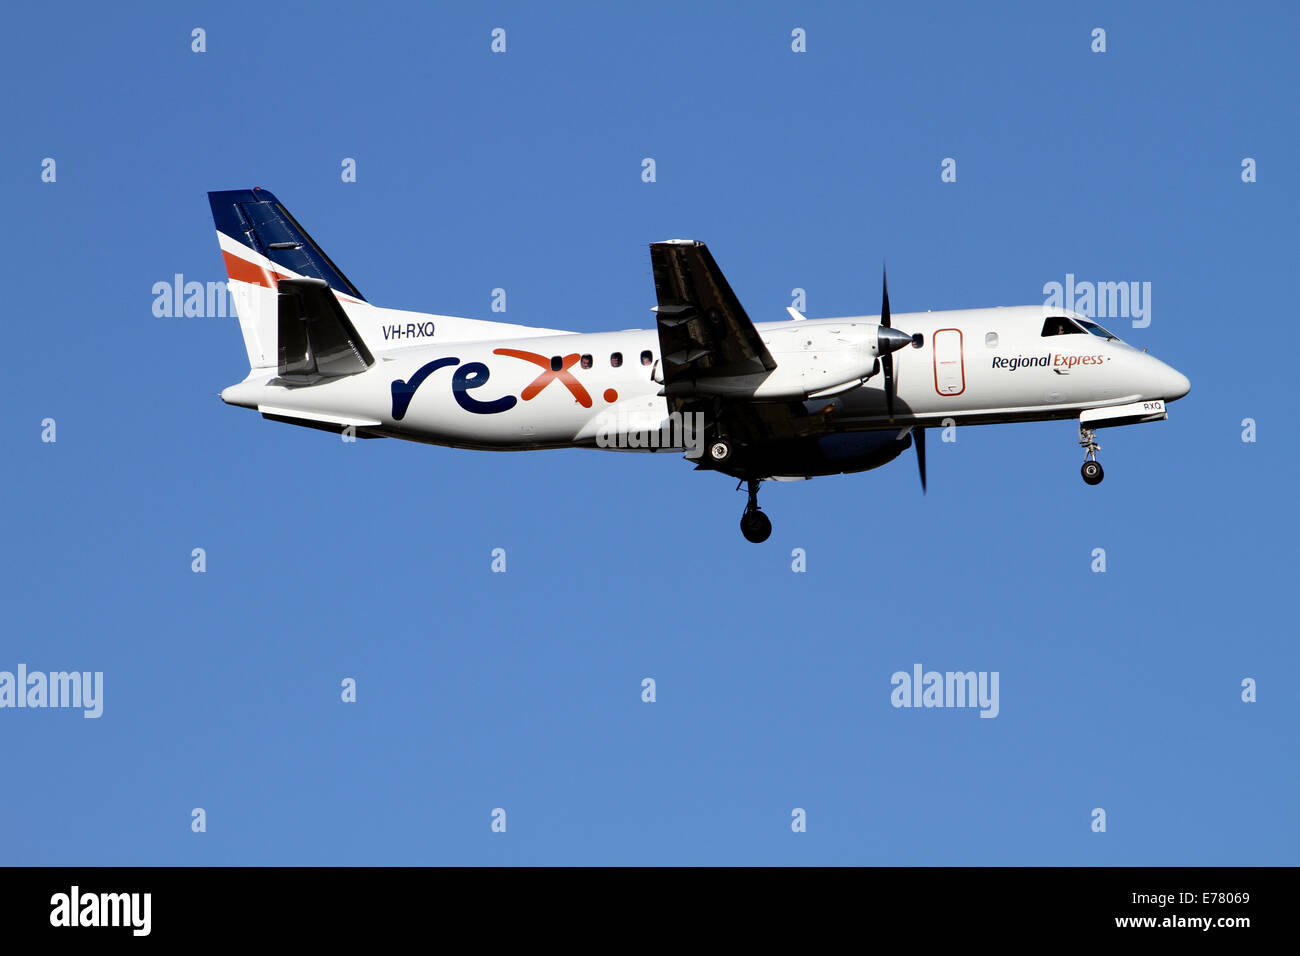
522, 690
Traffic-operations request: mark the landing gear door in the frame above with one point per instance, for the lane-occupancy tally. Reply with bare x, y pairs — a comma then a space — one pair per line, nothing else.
949, 364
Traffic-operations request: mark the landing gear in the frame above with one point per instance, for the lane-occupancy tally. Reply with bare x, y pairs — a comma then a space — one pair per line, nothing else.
719, 448
754, 525
1091, 469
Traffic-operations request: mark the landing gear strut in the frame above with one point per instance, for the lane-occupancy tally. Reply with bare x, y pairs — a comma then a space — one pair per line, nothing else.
719, 445
754, 525
1091, 469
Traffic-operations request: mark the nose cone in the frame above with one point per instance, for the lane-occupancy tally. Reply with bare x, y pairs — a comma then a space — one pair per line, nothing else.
891, 340
1182, 387
1171, 384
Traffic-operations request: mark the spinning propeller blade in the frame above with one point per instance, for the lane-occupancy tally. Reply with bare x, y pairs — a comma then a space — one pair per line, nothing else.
887, 359
918, 435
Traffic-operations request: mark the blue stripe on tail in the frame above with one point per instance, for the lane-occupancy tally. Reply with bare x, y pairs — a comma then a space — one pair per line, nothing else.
256, 218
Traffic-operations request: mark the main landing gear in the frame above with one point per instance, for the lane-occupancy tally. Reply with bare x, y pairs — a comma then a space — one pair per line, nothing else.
1091, 469
754, 525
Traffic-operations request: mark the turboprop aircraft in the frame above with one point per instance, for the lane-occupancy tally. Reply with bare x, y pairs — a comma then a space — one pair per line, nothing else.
767, 401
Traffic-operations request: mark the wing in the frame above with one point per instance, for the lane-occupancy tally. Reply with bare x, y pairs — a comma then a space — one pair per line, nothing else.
703, 330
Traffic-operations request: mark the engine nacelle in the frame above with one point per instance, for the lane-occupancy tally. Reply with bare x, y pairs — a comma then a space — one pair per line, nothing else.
812, 361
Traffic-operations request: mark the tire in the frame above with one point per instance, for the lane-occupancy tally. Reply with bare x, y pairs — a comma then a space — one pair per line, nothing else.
719, 451
755, 526
1092, 472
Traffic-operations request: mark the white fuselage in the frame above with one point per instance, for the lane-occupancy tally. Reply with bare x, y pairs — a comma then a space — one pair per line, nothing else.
974, 366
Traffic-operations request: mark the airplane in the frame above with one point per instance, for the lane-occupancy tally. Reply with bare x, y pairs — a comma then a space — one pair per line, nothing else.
767, 401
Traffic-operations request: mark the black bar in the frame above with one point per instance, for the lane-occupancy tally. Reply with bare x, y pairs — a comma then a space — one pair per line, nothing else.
366, 904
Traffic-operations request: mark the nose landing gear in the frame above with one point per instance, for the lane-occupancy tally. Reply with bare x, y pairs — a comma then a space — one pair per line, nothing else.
1091, 469
754, 525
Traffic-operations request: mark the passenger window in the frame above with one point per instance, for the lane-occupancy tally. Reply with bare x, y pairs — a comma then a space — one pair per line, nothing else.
557, 363
1060, 325
991, 340
585, 361
647, 357
616, 359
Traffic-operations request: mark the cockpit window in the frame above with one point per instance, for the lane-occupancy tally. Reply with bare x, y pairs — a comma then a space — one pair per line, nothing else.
1097, 330
1060, 325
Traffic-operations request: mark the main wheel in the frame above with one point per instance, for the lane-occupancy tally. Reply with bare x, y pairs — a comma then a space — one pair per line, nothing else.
1092, 472
720, 451
755, 526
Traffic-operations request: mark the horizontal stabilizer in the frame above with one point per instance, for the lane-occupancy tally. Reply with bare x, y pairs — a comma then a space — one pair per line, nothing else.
317, 341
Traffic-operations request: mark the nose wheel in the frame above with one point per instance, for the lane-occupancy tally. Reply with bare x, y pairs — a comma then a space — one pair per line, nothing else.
1091, 470
755, 525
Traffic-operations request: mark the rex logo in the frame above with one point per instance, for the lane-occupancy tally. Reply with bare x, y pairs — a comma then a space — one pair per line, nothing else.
550, 374
475, 375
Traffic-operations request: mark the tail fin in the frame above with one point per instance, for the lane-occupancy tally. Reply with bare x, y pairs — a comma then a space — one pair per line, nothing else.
262, 244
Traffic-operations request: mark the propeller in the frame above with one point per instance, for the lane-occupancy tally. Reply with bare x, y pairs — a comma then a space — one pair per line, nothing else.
890, 340
918, 435
887, 360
